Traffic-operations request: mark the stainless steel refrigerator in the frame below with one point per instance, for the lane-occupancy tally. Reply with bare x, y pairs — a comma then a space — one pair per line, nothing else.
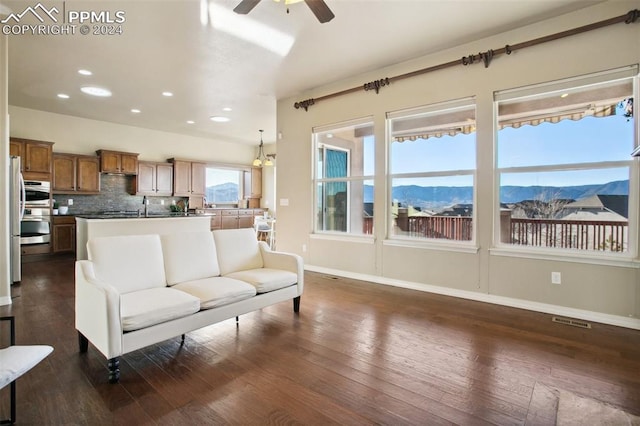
16, 212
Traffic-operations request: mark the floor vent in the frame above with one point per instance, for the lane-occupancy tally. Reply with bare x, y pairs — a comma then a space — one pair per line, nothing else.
573, 322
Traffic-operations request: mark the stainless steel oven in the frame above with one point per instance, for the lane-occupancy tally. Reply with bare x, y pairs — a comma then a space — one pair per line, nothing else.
35, 227
37, 193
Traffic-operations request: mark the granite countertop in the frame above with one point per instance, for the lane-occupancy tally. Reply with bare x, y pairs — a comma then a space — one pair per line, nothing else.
130, 215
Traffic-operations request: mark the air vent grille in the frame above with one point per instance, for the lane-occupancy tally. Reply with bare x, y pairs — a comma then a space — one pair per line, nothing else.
572, 322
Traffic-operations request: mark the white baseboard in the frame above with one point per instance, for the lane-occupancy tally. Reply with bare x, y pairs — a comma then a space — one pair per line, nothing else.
617, 320
5, 300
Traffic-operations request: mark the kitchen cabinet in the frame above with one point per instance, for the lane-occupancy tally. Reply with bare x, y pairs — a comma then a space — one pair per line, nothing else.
75, 174
35, 158
15, 148
216, 221
238, 218
188, 178
154, 179
118, 162
64, 234
253, 183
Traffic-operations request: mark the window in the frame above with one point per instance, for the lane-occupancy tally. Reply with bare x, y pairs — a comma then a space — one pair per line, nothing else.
343, 178
432, 162
564, 164
223, 185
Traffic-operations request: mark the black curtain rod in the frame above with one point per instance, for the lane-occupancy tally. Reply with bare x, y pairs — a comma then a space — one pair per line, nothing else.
483, 57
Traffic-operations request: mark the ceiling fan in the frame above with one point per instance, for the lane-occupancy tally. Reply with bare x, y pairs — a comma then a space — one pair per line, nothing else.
318, 7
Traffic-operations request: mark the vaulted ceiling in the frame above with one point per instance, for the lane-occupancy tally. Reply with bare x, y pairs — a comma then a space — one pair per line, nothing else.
213, 60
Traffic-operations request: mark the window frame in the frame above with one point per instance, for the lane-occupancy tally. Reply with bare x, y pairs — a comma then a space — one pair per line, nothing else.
440, 243
230, 167
349, 179
548, 253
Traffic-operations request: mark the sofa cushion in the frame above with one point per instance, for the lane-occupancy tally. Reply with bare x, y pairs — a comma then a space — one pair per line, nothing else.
189, 256
265, 279
128, 262
145, 308
237, 250
217, 291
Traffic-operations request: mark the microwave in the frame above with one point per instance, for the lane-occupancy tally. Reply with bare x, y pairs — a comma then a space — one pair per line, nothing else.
37, 193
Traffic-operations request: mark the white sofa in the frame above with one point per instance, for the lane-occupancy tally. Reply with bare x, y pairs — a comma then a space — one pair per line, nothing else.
137, 290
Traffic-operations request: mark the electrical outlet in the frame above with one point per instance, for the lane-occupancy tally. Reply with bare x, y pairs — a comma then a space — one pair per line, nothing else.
70, 202
556, 278
162, 202
304, 248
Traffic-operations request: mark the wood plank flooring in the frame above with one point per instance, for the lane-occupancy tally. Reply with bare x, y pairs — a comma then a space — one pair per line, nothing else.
357, 354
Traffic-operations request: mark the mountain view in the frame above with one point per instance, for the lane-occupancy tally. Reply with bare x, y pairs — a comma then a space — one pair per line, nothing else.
222, 193
441, 196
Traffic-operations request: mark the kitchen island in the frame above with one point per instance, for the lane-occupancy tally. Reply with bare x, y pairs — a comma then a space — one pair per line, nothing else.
91, 227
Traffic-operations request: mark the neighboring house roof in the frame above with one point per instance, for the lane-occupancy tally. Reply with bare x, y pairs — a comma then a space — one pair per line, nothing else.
458, 210
618, 204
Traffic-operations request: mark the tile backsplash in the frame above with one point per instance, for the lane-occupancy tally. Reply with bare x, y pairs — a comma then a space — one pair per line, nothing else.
115, 195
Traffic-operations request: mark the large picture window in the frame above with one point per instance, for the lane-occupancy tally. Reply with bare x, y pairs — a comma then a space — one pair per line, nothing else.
432, 163
343, 178
564, 164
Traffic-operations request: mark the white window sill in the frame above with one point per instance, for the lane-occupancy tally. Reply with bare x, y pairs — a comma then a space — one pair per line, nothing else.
621, 260
351, 238
469, 247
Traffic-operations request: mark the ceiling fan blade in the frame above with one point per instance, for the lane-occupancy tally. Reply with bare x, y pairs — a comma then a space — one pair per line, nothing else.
245, 6
320, 9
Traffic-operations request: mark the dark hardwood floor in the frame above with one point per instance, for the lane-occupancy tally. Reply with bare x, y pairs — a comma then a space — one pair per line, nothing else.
358, 353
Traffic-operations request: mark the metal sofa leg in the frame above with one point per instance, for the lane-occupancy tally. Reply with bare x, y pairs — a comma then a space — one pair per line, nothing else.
12, 418
114, 370
296, 304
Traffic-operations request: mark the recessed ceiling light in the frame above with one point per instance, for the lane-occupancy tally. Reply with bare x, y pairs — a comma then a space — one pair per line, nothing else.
227, 109
564, 95
96, 91
85, 72
167, 94
135, 110
63, 96
219, 119
190, 122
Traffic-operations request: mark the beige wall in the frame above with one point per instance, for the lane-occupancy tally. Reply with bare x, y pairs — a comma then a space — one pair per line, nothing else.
611, 292
83, 136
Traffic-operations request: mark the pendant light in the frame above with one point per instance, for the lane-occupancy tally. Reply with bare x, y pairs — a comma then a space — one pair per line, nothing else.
261, 158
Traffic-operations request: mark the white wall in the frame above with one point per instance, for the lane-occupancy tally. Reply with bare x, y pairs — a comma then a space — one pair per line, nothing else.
83, 136
606, 293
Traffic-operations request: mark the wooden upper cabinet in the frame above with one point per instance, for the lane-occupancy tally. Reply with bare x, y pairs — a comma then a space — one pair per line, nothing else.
15, 148
88, 174
64, 173
164, 179
76, 174
198, 172
181, 178
253, 183
36, 158
118, 162
129, 164
154, 178
145, 181
188, 178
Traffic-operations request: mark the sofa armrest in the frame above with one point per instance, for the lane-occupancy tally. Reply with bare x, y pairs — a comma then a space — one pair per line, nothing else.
285, 261
98, 311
